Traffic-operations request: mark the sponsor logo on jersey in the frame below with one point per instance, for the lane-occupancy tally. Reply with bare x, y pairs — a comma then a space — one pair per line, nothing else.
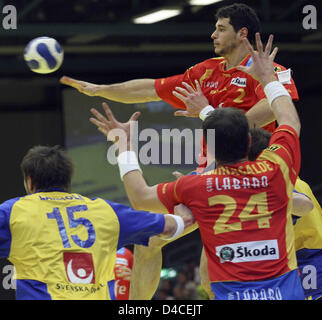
226, 254
210, 84
273, 147
277, 69
239, 82
248, 251
79, 267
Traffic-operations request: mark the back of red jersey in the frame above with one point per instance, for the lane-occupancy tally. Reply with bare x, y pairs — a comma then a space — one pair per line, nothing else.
244, 213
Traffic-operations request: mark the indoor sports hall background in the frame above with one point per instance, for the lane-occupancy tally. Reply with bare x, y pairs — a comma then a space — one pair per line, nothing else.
102, 44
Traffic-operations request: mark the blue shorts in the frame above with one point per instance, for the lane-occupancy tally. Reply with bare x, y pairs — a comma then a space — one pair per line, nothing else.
285, 287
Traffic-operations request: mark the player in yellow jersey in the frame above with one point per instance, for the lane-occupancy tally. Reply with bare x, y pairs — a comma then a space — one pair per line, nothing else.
308, 227
308, 244
63, 245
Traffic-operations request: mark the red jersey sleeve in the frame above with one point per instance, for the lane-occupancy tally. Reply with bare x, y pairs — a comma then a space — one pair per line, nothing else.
290, 87
165, 86
285, 143
167, 193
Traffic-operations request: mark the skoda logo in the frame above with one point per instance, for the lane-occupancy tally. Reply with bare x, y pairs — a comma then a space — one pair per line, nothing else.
227, 254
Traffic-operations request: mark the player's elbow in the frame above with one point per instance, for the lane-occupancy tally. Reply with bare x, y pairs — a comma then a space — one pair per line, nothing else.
297, 127
290, 117
137, 205
139, 202
302, 205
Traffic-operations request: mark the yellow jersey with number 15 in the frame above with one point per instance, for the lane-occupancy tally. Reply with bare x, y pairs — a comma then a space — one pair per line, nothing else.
63, 245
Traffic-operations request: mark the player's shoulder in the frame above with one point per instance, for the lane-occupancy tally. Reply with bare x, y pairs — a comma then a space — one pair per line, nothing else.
7, 205
301, 185
189, 181
278, 67
99, 200
214, 61
210, 63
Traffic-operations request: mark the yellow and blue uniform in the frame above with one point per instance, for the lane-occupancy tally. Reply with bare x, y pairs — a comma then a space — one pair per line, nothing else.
63, 245
308, 245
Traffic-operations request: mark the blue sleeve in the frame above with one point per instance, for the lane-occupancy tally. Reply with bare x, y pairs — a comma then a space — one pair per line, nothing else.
136, 227
5, 234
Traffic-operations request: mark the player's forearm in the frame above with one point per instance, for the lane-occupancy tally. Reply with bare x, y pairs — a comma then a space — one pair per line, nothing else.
260, 114
282, 106
133, 91
142, 196
286, 113
170, 226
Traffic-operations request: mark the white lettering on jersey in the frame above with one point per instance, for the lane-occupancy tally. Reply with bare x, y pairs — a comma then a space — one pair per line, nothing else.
239, 82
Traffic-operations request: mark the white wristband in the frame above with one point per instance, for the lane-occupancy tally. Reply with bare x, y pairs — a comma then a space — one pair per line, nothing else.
274, 90
127, 162
204, 112
180, 226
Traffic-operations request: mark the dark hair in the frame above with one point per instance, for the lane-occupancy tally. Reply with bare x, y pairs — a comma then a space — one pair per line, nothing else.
240, 16
48, 168
260, 141
231, 134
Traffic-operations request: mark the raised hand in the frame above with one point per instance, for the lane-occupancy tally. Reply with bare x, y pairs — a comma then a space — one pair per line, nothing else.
193, 99
262, 68
118, 132
87, 88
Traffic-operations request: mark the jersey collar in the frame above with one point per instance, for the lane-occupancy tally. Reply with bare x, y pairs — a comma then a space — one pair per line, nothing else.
247, 61
50, 190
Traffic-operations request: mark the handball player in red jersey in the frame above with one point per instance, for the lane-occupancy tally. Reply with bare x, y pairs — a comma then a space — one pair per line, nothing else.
242, 207
223, 84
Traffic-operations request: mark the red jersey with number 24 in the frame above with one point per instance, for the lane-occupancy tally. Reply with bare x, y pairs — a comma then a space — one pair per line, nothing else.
243, 211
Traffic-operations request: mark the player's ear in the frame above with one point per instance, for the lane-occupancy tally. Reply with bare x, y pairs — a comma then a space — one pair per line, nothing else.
29, 185
243, 32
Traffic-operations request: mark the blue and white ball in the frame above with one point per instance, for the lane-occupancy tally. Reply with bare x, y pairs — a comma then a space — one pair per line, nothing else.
44, 55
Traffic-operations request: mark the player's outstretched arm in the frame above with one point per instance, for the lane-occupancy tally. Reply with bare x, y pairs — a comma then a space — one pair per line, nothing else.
133, 91
262, 69
141, 196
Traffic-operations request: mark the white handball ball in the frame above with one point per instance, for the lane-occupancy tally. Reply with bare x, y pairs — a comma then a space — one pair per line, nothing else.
44, 55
